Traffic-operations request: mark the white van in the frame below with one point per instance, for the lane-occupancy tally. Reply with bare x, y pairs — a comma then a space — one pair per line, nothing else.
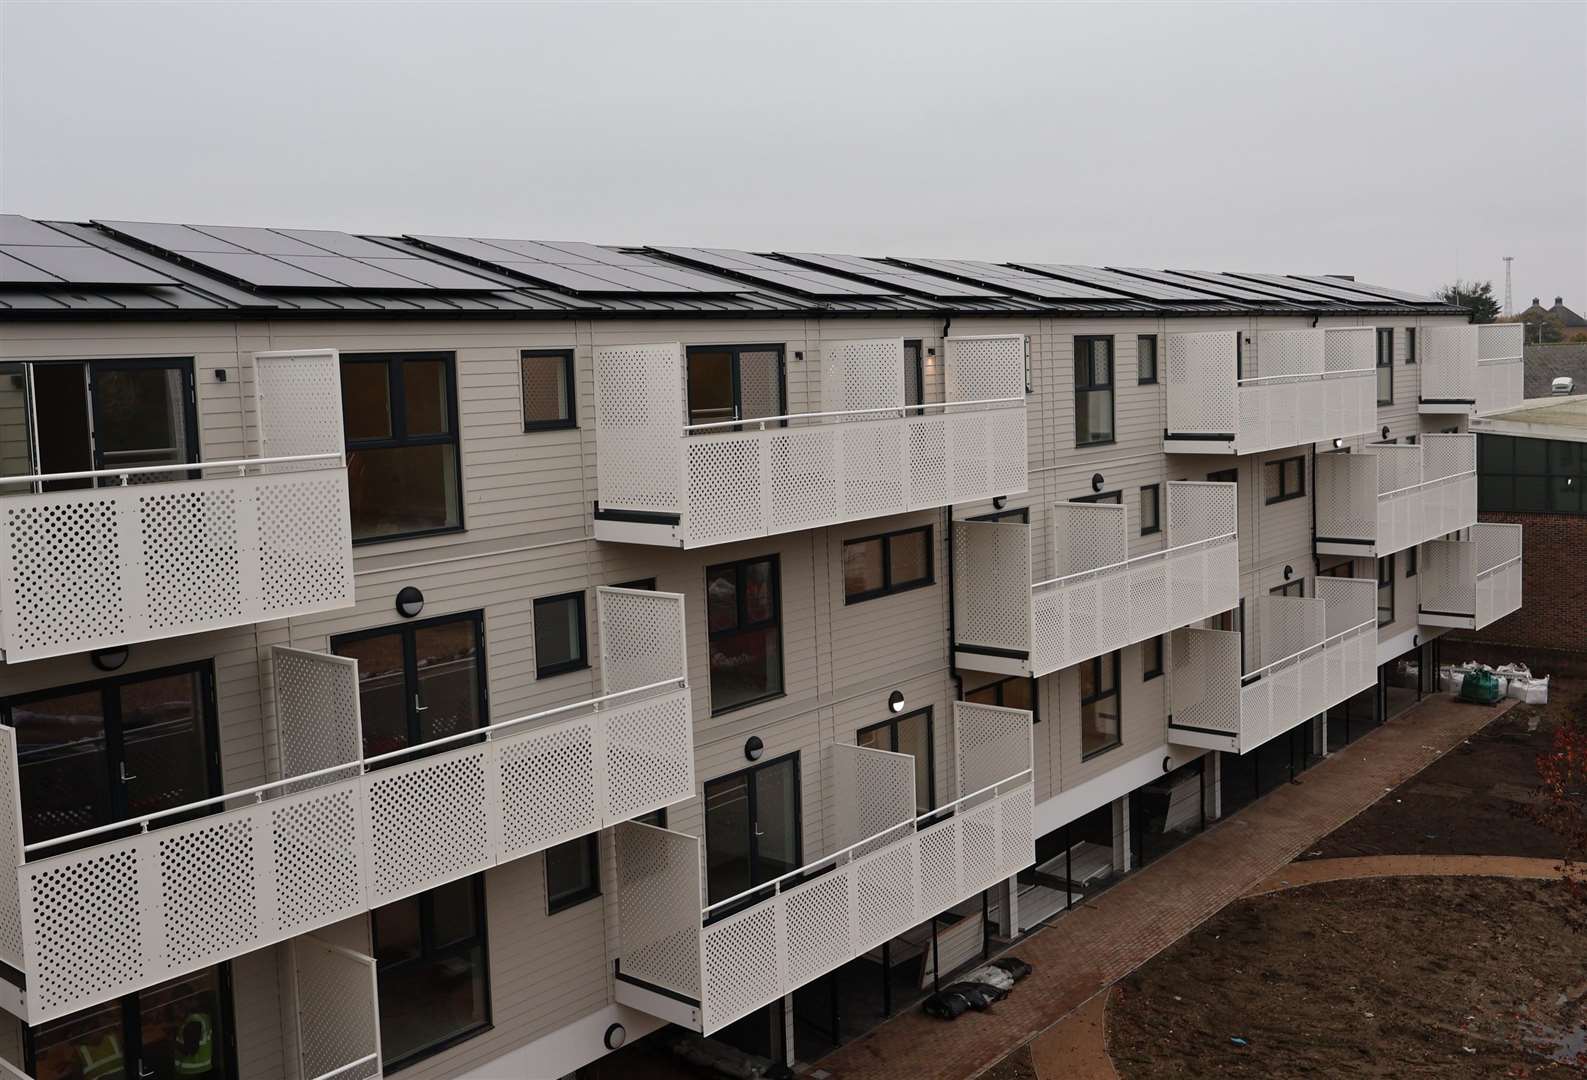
1563, 385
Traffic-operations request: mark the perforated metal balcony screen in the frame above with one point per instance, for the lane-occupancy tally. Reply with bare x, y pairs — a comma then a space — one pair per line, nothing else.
991, 584
639, 415
873, 792
1500, 368
1202, 396
863, 374
10, 850
978, 368
337, 1011
298, 398
1449, 363
318, 721
991, 743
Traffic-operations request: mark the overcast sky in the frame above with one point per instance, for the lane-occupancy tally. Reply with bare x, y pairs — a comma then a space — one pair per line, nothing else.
1404, 143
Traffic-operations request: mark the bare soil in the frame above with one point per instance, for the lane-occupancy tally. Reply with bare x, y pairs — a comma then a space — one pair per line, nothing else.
1453, 978
1017, 1066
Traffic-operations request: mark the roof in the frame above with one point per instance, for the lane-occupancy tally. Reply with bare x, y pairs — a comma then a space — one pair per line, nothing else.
1545, 363
123, 269
1560, 418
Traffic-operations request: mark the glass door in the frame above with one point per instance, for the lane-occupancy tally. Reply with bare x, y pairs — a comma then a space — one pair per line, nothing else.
752, 832
712, 396
142, 415
66, 443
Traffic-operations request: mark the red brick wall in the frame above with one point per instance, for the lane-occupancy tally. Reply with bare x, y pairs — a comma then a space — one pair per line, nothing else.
1553, 611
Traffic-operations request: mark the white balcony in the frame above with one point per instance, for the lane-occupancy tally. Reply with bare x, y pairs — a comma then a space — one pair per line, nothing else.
1388, 497
138, 554
1284, 388
704, 967
1468, 370
1316, 653
668, 482
1090, 597
1472, 583
338, 836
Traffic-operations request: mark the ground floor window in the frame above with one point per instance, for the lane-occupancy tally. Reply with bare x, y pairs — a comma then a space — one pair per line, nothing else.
434, 983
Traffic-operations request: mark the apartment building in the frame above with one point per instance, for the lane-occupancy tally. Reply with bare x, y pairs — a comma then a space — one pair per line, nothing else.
447, 656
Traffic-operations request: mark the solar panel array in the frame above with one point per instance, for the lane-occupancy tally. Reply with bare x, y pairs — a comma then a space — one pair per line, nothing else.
300, 258
1320, 291
34, 254
1222, 290
1372, 292
882, 273
579, 267
1117, 282
1290, 294
781, 275
1016, 281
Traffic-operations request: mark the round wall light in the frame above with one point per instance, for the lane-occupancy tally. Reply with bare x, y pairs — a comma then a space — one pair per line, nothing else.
1338, 443
1000, 501
1289, 572
616, 1036
1385, 431
754, 749
410, 601
895, 701
109, 659
1096, 481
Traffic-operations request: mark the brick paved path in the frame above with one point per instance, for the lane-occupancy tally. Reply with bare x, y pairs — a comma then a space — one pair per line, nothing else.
1107, 938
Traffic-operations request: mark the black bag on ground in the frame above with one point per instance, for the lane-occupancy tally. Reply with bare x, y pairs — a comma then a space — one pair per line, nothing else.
1013, 965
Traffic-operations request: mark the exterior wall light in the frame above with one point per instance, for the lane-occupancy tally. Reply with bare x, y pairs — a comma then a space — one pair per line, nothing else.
1385, 431
895, 701
1289, 572
410, 601
1338, 443
1096, 481
754, 749
615, 1036
109, 659
1000, 501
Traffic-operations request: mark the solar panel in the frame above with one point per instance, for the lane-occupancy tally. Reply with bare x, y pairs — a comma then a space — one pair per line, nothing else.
781, 275
300, 258
938, 288
579, 267
35, 254
1016, 281
1261, 288
1370, 291
1117, 282
1227, 290
1325, 292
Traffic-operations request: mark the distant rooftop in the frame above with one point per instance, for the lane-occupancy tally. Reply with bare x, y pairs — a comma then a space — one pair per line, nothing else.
106, 268
1562, 418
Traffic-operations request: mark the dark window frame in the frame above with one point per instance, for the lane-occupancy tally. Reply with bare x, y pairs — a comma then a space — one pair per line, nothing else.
1412, 559
1104, 498
1385, 363
562, 667
427, 951
739, 567
644, 584
751, 773
407, 630
1157, 509
1285, 492
1020, 514
1153, 659
1145, 380
1082, 347
1224, 476
570, 391
891, 724
736, 352
1525, 475
573, 898
1000, 697
889, 587
1289, 588
1096, 665
915, 374
398, 439
1410, 345
1386, 581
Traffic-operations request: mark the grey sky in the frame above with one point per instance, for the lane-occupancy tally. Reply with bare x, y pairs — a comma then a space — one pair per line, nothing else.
1399, 142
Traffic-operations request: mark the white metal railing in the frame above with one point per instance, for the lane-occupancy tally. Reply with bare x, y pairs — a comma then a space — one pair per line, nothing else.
741, 477
1501, 384
161, 894
1306, 386
1423, 492
1466, 369
1472, 583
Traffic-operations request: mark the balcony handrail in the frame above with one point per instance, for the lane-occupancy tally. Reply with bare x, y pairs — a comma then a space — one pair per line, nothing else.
149, 470
1426, 483
900, 410
1498, 359
775, 885
367, 1059
1303, 375
258, 791
1161, 553
1496, 567
1324, 643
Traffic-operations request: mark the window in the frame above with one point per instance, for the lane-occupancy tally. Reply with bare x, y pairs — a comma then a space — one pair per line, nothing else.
419, 681
1224, 476
1289, 588
1012, 692
1385, 366
1534, 475
1099, 705
1410, 345
1339, 568
1020, 514
400, 415
1239, 355
430, 962
914, 375
1152, 658
657, 818
1410, 560
548, 389
1285, 479
648, 584
1385, 590
182, 1028
573, 873
1114, 497
560, 642
1093, 390
752, 827
735, 382
1146, 359
1151, 511
908, 735
744, 622
893, 562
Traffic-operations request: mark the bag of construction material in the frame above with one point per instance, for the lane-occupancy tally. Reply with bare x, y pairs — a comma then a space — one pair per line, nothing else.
1481, 687
992, 976
981, 996
1530, 691
1013, 965
946, 1005
1511, 671
1449, 680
